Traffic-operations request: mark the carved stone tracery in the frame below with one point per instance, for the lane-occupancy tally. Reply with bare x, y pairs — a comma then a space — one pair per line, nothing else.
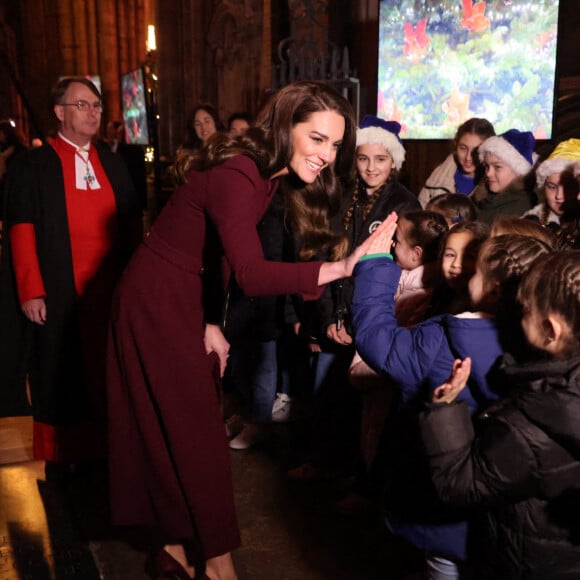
235, 37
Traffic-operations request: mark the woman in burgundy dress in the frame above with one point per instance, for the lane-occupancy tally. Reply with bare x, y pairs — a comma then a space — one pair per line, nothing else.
169, 459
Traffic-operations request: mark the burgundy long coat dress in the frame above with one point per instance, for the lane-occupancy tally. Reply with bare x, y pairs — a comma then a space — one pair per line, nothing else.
169, 459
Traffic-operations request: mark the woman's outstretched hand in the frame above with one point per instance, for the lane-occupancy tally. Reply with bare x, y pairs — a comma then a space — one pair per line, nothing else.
448, 391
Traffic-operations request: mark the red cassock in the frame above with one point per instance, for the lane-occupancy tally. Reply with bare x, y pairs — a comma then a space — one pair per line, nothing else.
67, 355
169, 459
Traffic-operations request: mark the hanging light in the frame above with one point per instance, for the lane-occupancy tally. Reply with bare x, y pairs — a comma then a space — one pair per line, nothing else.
151, 44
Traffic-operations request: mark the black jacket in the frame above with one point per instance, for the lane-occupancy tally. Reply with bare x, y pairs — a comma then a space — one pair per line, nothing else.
260, 317
522, 466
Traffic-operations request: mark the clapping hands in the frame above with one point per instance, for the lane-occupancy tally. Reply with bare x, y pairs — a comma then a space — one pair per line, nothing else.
448, 391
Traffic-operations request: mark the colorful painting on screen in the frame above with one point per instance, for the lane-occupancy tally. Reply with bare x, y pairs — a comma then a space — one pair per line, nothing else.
442, 62
134, 108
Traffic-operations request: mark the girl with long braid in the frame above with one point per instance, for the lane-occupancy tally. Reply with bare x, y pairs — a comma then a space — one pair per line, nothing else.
375, 194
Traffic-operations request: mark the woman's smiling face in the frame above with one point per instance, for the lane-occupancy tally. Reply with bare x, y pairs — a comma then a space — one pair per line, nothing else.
204, 125
315, 143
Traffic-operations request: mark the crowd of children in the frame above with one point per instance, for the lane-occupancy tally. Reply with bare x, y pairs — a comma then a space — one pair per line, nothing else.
458, 322
515, 469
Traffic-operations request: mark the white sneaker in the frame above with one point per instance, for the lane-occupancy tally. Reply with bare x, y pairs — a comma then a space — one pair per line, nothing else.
248, 437
281, 408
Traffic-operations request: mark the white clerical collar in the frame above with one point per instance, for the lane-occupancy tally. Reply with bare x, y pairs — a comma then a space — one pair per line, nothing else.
84, 147
84, 172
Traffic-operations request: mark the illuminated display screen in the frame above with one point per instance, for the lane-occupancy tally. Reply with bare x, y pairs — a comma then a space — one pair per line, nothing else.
134, 108
442, 62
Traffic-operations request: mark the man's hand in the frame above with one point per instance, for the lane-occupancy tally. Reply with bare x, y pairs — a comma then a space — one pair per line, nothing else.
35, 310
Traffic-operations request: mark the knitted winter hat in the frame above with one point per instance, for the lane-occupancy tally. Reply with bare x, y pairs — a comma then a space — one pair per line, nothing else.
563, 158
516, 148
374, 130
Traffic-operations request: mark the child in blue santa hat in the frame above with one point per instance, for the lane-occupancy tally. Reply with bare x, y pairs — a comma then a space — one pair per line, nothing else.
509, 159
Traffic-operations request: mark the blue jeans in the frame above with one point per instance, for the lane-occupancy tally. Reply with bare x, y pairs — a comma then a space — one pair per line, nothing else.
254, 371
322, 361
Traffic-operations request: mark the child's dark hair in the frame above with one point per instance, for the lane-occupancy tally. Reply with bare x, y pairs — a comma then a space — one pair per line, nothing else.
506, 258
454, 207
479, 231
427, 230
515, 225
552, 285
477, 126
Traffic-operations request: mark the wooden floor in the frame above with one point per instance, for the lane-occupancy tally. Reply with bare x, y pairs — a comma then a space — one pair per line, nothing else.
15, 440
289, 531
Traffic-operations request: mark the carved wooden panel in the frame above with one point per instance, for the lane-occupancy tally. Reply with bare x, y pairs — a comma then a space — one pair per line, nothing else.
235, 39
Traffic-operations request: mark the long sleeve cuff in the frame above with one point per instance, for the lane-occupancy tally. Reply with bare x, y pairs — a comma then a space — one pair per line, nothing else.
29, 281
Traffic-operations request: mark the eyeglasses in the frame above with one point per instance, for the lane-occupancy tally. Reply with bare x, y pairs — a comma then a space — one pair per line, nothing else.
85, 106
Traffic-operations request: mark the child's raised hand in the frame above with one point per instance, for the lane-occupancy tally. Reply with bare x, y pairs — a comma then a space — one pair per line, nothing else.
381, 240
448, 391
